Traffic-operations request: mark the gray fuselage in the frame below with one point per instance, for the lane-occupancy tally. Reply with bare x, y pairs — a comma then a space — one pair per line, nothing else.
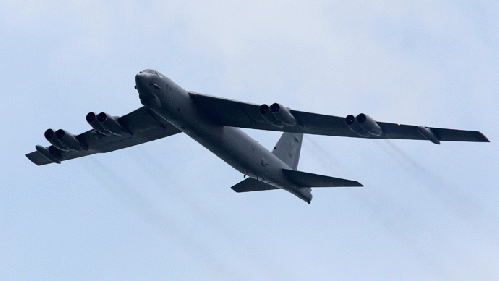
230, 144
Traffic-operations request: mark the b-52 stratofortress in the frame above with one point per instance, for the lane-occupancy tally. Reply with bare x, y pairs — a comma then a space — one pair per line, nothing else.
214, 123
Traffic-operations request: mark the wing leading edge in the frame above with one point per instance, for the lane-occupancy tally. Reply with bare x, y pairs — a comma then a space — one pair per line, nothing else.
233, 113
140, 126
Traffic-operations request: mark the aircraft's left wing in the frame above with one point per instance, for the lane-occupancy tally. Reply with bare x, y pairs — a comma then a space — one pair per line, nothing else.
276, 117
109, 134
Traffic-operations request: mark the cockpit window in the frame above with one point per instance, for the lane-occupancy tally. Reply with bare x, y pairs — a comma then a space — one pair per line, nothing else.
152, 71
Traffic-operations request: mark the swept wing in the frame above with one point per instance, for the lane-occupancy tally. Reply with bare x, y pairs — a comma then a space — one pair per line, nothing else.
136, 127
233, 113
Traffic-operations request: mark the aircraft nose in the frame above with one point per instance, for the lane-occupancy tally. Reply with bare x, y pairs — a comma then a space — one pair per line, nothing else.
142, 82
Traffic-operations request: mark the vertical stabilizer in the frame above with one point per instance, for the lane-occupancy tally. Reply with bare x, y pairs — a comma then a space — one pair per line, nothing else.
288, 148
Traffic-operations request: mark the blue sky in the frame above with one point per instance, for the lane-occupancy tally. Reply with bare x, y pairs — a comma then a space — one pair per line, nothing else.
165, 210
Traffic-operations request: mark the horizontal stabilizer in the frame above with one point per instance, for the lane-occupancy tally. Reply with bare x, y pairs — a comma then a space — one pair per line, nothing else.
251, 184
303, 179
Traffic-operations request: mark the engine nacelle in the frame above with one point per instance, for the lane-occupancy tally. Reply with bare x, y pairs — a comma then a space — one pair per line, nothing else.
428, 134
282, 114
269, 117
92, 121
69, 140
355, 127
369, 125
50, 136
363, 125
110, 124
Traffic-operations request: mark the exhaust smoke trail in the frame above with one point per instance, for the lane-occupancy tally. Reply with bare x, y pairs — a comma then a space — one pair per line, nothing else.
320, 150
400, 220
463, 207
155, 169
131, 197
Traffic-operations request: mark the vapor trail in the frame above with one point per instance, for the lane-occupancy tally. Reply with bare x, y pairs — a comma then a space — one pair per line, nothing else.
330, 159
397, 218
464, 207
155, 169
121, 189
150, 165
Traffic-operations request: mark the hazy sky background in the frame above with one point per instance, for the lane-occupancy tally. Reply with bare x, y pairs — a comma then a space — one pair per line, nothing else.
165, 211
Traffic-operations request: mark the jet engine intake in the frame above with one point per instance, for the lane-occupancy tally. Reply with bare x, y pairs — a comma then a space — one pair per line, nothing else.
264, 109
110, 124
50, 136
277, 115
92, 121
369, 125
363, 125
283, 114
269, 117
355, 127
69, 140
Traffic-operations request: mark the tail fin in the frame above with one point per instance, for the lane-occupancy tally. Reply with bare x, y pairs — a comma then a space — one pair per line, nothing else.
288, 148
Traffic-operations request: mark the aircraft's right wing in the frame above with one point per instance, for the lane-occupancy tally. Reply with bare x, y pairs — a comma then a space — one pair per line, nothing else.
233, 113
136, 127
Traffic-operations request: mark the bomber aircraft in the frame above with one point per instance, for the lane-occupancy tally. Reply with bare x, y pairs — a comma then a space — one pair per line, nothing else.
214, 123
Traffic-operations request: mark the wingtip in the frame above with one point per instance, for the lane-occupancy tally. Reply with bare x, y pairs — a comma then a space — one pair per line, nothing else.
354, 184
485, 139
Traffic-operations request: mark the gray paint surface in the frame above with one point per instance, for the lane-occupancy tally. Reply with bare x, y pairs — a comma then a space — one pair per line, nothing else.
214, 122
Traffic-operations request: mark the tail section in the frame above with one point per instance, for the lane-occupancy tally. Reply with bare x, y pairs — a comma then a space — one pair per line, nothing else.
288, 149
303, 179
250, 184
